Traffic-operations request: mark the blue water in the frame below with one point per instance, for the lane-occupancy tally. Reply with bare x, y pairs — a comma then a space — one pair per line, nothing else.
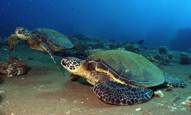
155, 29
156, 21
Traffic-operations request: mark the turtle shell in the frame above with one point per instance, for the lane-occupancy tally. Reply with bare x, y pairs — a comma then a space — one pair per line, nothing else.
132, 66
56, 38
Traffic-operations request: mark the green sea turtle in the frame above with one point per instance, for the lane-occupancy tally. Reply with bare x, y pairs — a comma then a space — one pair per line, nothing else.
113, 87
41, 39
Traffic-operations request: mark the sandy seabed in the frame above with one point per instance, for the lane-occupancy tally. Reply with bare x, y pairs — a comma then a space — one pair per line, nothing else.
47, 90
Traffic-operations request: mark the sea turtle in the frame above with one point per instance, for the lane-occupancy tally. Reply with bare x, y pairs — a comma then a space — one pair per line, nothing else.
113, 87
41, 39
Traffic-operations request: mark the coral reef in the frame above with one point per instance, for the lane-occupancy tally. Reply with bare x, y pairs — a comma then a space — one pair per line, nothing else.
130, 46
13, 67
163, 56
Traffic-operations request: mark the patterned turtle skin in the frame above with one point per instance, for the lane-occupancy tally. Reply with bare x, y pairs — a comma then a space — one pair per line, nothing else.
40, 39
119, 94
107, 84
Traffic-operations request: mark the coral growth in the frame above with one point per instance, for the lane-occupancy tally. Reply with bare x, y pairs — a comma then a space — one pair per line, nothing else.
13, 67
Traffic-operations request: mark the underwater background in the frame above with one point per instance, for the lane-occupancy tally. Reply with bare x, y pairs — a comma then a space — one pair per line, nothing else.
158, 22
95, 57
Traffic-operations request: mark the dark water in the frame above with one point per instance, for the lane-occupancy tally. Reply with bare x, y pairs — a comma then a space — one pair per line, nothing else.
158, 22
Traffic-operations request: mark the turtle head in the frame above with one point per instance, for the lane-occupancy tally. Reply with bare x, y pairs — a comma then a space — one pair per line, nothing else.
22, 33
72, 64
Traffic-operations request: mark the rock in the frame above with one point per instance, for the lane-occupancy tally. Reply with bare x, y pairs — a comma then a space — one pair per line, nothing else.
185, 58
163, 56
138, 109
13, 67
132, 47
163, 59
158, 93
187, 102
163, 50
82, 102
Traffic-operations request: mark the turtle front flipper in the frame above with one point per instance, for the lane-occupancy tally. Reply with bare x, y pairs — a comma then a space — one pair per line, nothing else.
12, 41
119, 94
37, 44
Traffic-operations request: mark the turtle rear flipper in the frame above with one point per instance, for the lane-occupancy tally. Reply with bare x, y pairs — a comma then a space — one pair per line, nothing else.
119, 94
174, 82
